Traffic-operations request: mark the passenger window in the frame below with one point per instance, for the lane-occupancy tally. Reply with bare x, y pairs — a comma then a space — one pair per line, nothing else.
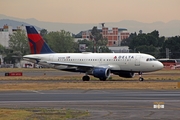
151, 59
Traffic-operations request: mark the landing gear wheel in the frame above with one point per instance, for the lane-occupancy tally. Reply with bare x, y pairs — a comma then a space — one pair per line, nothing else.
140, 76
141, 79
102, 79
85, 78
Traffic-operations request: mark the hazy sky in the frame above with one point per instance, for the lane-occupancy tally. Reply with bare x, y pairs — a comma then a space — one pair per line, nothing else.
92, 11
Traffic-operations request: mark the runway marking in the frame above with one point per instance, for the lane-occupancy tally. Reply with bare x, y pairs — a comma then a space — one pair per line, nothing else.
34, 91
95, 91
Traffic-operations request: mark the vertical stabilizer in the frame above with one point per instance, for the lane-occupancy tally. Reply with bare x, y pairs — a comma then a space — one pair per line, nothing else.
36, 42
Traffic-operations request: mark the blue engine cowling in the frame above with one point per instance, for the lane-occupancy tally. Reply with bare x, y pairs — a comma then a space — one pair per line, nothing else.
101, 73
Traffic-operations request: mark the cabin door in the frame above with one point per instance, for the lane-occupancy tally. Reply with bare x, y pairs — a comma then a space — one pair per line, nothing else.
137, 60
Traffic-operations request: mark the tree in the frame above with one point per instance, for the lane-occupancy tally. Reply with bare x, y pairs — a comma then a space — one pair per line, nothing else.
2, 50
127, 41
155, 33
18, 46
146, 39
146, 43
89, 45
96, 34
19, 43
43, 32
172, 44
148, 49
61, 41
99, 41
161, 41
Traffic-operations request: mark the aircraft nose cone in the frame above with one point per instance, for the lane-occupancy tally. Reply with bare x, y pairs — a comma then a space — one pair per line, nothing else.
159, 66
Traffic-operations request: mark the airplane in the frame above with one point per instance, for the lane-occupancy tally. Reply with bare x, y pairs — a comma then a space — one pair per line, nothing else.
99, 65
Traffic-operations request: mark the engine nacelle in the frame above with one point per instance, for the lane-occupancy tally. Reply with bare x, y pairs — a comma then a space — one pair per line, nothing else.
101, 72
126, 74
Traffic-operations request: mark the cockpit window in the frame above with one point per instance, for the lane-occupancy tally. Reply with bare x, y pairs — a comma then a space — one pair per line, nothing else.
151, 59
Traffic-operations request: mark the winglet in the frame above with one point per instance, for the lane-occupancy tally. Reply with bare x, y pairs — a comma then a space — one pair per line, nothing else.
36, 42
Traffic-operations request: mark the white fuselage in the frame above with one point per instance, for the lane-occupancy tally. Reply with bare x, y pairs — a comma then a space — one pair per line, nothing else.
115, 61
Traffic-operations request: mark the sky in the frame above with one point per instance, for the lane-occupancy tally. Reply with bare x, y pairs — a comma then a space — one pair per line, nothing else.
92, 11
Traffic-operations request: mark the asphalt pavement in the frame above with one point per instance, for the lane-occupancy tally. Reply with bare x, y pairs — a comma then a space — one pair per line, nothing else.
102, 104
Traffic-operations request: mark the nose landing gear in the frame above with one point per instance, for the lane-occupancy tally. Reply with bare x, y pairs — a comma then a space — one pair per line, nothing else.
140, 76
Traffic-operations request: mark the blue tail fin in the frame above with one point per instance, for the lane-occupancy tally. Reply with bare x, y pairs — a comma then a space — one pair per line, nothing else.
36, 42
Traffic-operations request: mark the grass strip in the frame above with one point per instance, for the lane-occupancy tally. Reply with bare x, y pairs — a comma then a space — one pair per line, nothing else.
88, 85
41, 114
114, 82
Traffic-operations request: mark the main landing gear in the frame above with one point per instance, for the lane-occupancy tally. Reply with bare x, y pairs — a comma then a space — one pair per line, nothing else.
86, 78
140, 76
102, 79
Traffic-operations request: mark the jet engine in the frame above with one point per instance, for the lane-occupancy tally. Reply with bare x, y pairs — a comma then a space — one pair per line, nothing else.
126, 74
101, 73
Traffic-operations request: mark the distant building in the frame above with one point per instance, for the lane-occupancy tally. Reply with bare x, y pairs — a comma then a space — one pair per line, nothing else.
114, 35
119, 49
5, 32
78, 36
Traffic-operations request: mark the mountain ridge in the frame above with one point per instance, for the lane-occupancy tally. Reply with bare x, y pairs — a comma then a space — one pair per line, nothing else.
168, 29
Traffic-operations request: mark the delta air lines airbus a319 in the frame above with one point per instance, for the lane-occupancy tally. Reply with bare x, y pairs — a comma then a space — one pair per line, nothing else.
99, 65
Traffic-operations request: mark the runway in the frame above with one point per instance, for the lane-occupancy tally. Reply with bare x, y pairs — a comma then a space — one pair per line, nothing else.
102, 104
114, 104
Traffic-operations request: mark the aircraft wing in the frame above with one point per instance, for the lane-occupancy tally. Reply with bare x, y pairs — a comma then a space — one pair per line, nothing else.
111, 67
31, 58
70, 64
